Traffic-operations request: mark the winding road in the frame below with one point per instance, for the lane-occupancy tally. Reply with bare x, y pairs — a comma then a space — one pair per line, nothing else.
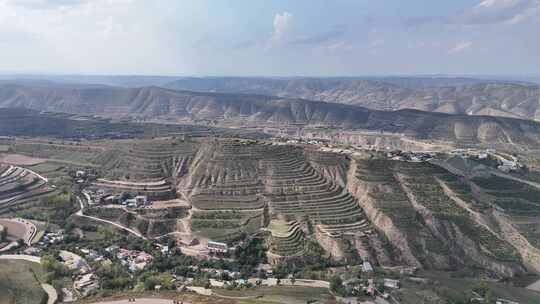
81, 214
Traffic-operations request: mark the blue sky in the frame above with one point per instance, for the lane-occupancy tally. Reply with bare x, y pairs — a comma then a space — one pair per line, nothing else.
270, 38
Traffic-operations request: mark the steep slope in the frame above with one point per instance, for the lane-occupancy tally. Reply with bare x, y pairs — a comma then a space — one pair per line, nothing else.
447, 95
431, 217
258, 111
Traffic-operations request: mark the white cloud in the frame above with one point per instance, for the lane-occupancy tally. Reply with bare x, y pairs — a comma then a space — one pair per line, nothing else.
91, 36
501, 12
460, 47
528, 13
283, 24
497, 3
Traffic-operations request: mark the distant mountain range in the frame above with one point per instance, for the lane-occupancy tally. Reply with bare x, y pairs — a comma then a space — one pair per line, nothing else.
446, 95
158, 104
484, 95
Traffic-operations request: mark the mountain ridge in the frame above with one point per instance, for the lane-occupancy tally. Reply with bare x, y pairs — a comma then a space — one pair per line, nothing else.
466, 96
158, 104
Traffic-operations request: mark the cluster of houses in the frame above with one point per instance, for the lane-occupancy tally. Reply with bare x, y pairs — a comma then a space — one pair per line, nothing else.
94, 256
479, 300
222, 278
50, 238
504, 162
106, 197
133, 259
368, 287
410, 156
85, 280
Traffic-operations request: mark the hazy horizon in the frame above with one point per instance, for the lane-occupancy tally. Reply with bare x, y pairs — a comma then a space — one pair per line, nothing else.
270, 38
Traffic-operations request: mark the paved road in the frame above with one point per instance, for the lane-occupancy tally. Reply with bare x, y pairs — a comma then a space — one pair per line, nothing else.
37, 174
22, 257
141, 301
81, 214
51, 292
534, 286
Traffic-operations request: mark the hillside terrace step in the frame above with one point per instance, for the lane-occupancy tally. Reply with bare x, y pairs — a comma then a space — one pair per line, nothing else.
213, 196
155, 189
323, 204
292, 173
330, 208
26, 188
13, 173
5, 204
362, 225
21, 183
314, 195
327, 213
316, 189
4, 169
306, 180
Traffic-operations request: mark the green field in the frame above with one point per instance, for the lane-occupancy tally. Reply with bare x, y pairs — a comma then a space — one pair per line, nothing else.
19, 283
448, 287
282, 294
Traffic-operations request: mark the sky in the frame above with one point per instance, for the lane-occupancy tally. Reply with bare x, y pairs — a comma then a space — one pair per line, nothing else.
270, 37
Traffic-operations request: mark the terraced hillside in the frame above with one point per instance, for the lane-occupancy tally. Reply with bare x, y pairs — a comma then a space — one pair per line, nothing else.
19, 185
238, 186
517, 206
331, 165
431, 217
226, 187
390, 212
146, 167
287, 239
296, 189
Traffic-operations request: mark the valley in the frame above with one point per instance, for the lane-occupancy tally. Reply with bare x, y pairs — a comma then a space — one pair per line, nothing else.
300, 207
269, 152
225, 193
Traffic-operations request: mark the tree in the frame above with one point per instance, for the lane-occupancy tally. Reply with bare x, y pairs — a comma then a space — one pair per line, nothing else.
164, 280
336, 285
106, 233
56, 269
487, 296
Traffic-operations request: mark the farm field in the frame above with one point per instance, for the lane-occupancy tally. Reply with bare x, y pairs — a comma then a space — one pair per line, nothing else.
457, 287
282, 294
20, 160
20, 283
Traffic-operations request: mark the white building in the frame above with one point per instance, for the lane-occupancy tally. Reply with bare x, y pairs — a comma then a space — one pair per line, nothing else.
390, 283
141, 200
217, 247
366, 267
